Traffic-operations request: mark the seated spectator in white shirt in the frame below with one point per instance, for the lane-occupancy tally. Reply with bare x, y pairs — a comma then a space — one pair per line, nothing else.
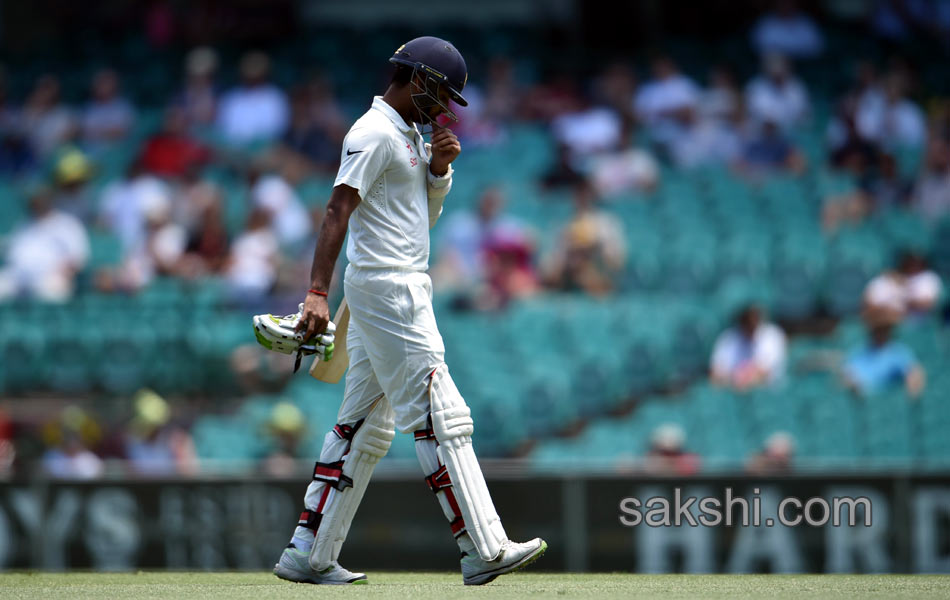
288, 216
158, 252
892, 120
588, 131
45, 255
661, 102
122, 204
777, 95
256, 110
789, 31
108, 117
252, 267
909, 290
750, 354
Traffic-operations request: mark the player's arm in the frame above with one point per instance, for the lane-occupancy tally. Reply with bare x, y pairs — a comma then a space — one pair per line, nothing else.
445, 148
316, 310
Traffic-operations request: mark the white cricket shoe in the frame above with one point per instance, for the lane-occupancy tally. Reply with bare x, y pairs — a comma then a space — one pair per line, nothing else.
513, 556
294, 565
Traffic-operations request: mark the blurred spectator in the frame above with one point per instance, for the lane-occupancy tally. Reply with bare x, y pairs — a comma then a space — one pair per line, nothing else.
463, 238
123, 203
882, 363
46, 120
896, 20
663, 102
634, 169
787, 30
592, 250
171, 152
776, 456
252, 265
554, 96
44, 255
154, 445
72, 171
776, 95
15, 152
69, 456
931, 196
317, 125
891, 120
563, 173
712, 132
750, 354
272, 193
910, 289
879, 190
157, 252
490, 110
256, 110
886, 188
615, 87
207, 248
667, 454
199, 96
286, 428
108, 117
769, 149
590, 130
722, 99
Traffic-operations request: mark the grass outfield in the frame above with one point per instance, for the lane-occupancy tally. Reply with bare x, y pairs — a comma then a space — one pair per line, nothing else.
422, 586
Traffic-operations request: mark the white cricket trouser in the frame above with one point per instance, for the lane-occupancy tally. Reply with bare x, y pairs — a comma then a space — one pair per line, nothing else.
393, 344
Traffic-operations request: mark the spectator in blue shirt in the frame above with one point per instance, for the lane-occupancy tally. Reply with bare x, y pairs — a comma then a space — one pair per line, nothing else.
881, 363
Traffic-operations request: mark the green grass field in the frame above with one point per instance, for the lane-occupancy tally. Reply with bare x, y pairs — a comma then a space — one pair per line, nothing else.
423, 586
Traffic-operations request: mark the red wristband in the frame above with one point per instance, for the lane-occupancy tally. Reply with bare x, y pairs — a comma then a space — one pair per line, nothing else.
318, 292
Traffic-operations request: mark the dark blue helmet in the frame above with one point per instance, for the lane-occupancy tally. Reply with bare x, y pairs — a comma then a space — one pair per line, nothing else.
439, 63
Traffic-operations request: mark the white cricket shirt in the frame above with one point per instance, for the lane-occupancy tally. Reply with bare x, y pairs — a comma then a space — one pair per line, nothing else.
387, 162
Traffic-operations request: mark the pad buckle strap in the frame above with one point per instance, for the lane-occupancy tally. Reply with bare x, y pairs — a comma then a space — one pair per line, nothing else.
346, 432
458, 526
310, 519
424, 434
439, 480
332, 474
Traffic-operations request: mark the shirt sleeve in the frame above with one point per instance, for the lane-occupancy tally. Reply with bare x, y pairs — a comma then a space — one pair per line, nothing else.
364, 157
438, 188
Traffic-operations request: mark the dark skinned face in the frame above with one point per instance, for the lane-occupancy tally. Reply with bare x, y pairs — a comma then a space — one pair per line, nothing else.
431, 112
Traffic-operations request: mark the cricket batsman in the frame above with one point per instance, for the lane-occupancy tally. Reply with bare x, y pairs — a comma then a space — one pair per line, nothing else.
389, 192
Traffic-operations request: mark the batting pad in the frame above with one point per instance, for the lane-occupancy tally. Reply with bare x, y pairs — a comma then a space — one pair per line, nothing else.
453, 427
370, 443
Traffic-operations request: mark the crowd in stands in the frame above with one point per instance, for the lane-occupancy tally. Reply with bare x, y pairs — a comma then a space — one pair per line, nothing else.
615, 133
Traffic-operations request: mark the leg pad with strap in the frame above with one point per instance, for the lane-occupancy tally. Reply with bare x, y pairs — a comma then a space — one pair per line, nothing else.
453, 426
348, 479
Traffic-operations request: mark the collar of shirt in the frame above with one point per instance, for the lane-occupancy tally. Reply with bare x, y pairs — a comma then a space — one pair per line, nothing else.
390, 112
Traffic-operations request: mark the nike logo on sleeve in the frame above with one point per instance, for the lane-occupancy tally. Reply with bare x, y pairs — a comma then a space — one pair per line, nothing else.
351, 152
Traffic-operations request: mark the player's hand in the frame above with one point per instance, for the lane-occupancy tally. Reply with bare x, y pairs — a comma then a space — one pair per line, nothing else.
445, 149
315, 316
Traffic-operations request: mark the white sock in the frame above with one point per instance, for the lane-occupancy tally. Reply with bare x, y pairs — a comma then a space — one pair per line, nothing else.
466, 544
303, 538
